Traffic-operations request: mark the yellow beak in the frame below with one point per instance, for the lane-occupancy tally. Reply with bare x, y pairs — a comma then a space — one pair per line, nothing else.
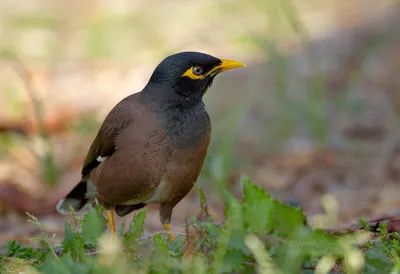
225, 65
229, 64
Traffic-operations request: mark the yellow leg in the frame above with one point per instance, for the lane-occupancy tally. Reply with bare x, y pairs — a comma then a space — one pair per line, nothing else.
168, 229
111, 224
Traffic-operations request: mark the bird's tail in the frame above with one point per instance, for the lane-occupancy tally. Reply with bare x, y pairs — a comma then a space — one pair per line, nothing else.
77, 198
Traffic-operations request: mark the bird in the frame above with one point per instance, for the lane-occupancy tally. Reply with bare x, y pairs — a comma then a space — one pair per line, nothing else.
152, 145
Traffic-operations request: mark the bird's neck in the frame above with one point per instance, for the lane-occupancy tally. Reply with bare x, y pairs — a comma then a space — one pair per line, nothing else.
186, 122
170, 97
187, 127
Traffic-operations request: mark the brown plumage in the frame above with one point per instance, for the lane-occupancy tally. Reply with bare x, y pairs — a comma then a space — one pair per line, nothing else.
152, 145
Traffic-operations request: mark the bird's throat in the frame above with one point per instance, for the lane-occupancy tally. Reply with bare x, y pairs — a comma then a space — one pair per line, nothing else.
186, 127
184, 120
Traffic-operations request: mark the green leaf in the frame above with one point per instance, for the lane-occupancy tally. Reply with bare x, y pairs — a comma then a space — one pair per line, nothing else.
234, 221
233, 261
70, 237
136, 227
194, 265
287, 219
72, 243
121, 229
320, 243
212, 230
257, 208
203, 201
53, 265
15, 250
93, 225
73, 266
233, 212
99, 211
162, 260
377, 262
236, 242
160, 244
64, 265
304, 244
290, 257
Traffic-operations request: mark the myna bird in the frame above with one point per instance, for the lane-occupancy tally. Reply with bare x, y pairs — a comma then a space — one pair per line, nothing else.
152, 145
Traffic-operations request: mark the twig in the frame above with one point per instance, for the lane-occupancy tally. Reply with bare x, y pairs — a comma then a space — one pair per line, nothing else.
172, 232
21, 69
99, 251
38, 109
33, 220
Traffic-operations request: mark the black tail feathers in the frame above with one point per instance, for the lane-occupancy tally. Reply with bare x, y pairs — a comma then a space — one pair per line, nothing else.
80, 195
77, 198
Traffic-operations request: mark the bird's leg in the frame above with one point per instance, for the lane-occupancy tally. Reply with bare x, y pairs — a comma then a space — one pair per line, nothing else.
165, 217
111, 224
167, 227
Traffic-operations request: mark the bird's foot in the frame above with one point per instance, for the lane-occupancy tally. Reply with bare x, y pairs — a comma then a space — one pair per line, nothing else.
167, 227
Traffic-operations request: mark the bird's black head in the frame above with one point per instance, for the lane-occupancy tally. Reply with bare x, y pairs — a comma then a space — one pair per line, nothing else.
188, 75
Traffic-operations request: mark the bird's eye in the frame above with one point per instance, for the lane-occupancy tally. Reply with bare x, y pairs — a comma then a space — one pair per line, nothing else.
197, 70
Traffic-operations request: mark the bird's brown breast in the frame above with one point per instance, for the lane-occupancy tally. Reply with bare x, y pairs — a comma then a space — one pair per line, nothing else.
181, 172
150, 164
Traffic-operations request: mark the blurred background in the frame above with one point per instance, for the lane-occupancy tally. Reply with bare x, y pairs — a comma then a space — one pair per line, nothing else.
315, 111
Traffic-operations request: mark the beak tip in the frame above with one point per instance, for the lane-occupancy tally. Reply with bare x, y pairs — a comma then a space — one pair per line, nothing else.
239, 65
230, 64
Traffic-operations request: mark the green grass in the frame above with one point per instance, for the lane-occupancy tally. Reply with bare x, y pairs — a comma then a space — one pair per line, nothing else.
259, 235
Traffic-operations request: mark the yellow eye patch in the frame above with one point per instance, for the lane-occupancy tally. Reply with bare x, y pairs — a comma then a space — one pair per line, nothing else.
223, 66
189, 73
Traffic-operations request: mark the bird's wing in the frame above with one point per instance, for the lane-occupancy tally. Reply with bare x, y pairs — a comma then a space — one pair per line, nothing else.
103, 145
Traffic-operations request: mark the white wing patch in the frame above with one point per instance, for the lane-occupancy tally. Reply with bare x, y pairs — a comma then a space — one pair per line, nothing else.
101, 159
59, 206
